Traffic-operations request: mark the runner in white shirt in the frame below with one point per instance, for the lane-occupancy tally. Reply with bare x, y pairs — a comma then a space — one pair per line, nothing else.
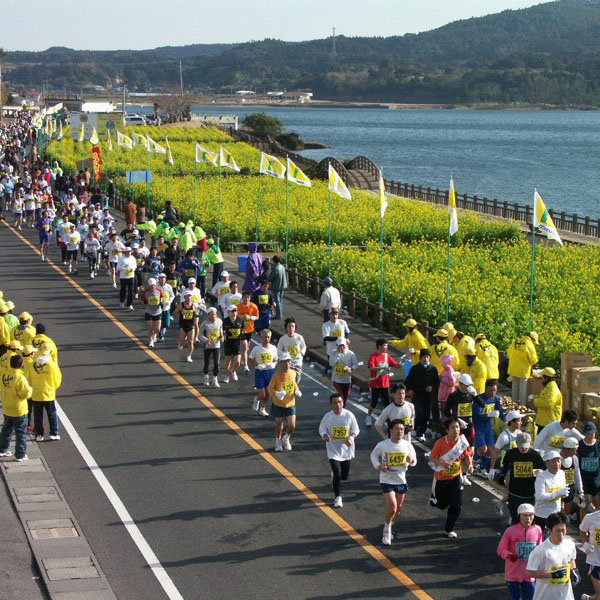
391, 458
30, 208
211, 334
293, 343
126, 269
18, 207
91, 248
554, 434
72, 238
232, 296
220, 290
168, 297
552, 563
589, 533
550, 488
339, 429
399, 408
264, 357
333, 329
342, 362
113, 249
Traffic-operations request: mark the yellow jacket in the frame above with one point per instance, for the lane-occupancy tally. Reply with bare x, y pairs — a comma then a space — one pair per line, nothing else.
14, 391
45, 380
414, 339
438, 350
5, 360
465, 342
487, 353
522, 355
549, 404
478, 373
42, 338
4, 333
23, 334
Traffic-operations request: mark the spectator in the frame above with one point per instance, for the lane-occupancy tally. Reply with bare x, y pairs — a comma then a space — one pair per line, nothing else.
253, 268
278, 281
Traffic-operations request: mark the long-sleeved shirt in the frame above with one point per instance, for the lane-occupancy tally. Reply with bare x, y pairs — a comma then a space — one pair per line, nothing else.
338, 361
339, 428
553, 435
421, 377
330, 298
520, 542
547, 496
332, 331
549, 404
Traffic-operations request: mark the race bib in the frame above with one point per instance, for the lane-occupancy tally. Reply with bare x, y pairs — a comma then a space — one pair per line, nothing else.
569, 476
266, 358
452, 470
557, 441
405, 420
293, 350
339, 371
73, 239
560, 580
214, 335
234, 334
523, 470
115, 252
46, 227
553, 490
139, 261
465, 410
153, 300
166, 296
288, 387
172, 283
188, 314
396, 459
128, 271
596, 536
524, 549
512, 445
589, 463
189, 272
340, 433
488, 408
224, 290
263, 299
336, 333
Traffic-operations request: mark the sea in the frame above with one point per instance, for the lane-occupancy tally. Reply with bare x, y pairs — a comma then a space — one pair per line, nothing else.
502, 154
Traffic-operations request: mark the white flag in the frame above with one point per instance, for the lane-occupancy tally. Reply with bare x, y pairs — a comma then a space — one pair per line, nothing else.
452, 208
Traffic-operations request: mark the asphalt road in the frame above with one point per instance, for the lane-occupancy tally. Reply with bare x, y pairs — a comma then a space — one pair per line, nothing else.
221, 519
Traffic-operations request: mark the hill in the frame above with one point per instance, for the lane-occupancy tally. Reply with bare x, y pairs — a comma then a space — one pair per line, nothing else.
543, 54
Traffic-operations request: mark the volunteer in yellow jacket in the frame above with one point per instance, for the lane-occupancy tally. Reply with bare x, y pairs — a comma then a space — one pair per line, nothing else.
522, 355
14, 347
41, 338
441, 347
28, 354
45, 380
413, 339
25, 332
4, 329
549, 403
461, 342
475, 368
283, 390
14, 391
487, 353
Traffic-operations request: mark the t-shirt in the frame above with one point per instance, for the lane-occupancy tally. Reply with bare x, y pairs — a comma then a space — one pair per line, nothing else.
339, 428
233, 330
338, 361
126, 267
220, 290
393, 411
263, 301
174, 279
72, 240
398, 457
336, 330
591, 526
251, 310
91, 246
552, 557
285, 382
114, 249
153, 302
195, 295
295, 346
553, 436
211, 332
547, 486
380, 363
266, 358
440, 448
519, 466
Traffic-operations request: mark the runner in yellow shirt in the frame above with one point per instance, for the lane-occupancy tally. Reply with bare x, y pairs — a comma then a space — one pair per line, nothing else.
283, 390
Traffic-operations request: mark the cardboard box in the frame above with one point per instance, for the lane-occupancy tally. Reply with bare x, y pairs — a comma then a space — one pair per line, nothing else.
534, 386
567, 395
586, 379
576, 403
569, 361
590, 401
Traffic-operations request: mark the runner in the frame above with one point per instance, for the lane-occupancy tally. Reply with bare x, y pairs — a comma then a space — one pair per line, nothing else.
589, 453
483, 421
379, 377
46, 378
113, 249
197, 300
188, 267
515, 547
589, 533
18, 208
232, 296
399, 409
445, 459
339, 429
152, 298
232, 327
569, 463
552, 563
44, 226
72, 240
91, 249
292, 343
168, 297
126, 269
248, 312
211, 332
221, 290
140, 252
506, 440
187, 313
265, 301
550, 488
283, 390
554, 434
333, 329
264, 358
342, 362
391, 458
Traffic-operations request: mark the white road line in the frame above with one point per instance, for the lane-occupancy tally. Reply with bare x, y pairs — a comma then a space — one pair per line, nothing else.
136, 535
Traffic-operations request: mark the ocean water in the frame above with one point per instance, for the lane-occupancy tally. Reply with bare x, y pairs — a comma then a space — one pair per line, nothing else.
501, 154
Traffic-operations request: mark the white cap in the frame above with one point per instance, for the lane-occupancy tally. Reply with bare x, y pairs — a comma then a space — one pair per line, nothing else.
570, 443
526, 509
285, 356
340, 341
151, 281
212, 309
551, 455
127, 249
512, 415
162, 275
231, 307
187, 293
192, 280
465, 379
224, 274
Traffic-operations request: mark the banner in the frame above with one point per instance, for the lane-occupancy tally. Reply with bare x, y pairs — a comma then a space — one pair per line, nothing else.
97, 162
138, 176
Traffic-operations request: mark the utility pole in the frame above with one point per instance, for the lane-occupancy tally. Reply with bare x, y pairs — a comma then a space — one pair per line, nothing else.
123, 104
1, 107
181, 78
333, 52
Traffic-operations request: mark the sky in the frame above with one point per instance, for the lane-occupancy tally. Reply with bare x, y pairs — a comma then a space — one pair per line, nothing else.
140, 24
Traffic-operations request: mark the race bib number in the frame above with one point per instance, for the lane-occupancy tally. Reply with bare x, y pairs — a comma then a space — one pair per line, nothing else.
153, 300
465, 410
569, 476
561, 580
396, 459
452, 470
596, 536
73, 239
234, 334
553, 490
488, 408
172, 282
293, 351
339, 371
128, 271
263, 299
189, 272
188, 314
115, 252
224, 290
557, 441
512, 445
405, 420
214, 336
288, 387
589, 463
46, 227
340, 433
524, 549
336, 332
523, 470
266, 358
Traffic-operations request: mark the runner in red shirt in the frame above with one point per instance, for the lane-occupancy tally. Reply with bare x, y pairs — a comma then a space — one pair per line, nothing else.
379, 377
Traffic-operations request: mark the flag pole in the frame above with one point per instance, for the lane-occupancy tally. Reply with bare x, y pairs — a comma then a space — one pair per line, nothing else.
195, 188
257, 228
220, 201
448, 270
287, 209
329, 269
131, 194
381, 244
148, 206
532, 268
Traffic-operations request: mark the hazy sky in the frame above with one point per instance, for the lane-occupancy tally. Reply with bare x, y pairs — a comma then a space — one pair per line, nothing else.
138, 24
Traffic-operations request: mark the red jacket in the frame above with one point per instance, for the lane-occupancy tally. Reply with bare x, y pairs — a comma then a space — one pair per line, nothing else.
380, 361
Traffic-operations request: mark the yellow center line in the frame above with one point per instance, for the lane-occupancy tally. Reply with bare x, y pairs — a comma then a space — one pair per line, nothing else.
360, 539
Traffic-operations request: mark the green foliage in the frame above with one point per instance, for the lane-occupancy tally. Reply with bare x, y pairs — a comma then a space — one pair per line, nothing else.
262, 125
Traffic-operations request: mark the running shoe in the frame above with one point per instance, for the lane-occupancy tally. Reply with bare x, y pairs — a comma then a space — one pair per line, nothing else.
226, 379
131, 307
585, 597
207, 380
115, 285
189, 359
39, 438
255, 405
451, 534
234, 376
55, 438
179, 347
337, 503
386, 540
22, 459
368, 421
121, 304
465, 480
422, 438
263, 413
285, 441
151, 345
215, 382
278, 446
246, 369
6, 453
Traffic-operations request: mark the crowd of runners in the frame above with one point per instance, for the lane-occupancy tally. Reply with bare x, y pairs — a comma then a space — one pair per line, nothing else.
449, 394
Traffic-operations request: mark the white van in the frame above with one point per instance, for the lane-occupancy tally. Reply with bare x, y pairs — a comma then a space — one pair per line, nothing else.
135, 120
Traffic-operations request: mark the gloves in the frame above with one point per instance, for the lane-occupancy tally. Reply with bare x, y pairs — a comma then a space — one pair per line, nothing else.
563, 493
575, 577
462, 424
530, 397
512, 557
492, 474
280, 394
253, 318
298, 393
588, 548
537, 472
558, 574
494, 414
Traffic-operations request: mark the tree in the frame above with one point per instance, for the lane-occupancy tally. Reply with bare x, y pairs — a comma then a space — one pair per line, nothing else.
263, 126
